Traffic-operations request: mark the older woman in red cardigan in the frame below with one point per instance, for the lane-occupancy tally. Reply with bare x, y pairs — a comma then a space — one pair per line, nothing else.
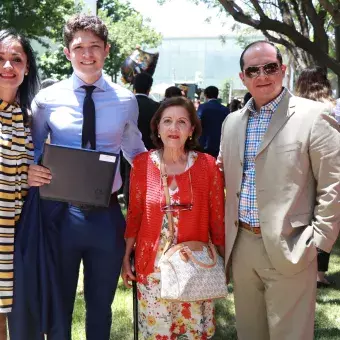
197, 202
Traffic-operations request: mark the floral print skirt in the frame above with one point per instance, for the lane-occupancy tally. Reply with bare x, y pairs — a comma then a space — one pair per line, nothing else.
160, 319
164, 320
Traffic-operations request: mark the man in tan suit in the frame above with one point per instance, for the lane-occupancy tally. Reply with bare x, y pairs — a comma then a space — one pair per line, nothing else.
281, 160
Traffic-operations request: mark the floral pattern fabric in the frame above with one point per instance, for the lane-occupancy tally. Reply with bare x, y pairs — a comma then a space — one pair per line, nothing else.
160, 319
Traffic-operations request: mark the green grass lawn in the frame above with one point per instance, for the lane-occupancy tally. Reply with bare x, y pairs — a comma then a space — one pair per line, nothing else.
327, 323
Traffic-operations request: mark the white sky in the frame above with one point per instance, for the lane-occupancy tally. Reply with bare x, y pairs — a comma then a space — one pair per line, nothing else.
181, 18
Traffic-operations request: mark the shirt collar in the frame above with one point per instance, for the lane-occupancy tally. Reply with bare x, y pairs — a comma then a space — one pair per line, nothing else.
77, 82
142, 94
271, 106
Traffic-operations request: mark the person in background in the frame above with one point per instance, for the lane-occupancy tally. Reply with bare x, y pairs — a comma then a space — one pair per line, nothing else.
337, 111
197, 103
212, 115
281, 161
314, 85
47, 82
173, 91
197, 198
87, 111
147, 107
246, 97
19, 83
235, 105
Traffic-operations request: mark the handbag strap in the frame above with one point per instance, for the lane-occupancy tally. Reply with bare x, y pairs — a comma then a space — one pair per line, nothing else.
164, 177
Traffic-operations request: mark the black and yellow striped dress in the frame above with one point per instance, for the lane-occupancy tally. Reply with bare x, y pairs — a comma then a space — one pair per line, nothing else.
16, 153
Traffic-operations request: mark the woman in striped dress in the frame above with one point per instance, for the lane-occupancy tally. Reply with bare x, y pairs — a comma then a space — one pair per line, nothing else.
18, 83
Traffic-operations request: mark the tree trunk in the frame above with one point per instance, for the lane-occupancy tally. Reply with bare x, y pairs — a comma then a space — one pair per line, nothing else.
265, 23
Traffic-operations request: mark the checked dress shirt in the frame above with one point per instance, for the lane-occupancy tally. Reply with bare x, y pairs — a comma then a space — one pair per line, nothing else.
258, 123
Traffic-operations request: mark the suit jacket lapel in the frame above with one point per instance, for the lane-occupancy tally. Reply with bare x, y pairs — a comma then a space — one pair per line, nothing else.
280, 116
242, 132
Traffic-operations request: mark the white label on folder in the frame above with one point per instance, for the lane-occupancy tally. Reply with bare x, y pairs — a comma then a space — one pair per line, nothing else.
107, 158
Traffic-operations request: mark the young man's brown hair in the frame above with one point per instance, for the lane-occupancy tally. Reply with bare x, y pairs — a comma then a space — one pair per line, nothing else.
82, 22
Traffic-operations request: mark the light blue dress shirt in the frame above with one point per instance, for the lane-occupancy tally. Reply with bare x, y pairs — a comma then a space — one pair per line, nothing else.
58, 110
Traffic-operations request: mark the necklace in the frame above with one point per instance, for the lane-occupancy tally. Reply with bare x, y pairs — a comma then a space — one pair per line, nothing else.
166, 167
164, 183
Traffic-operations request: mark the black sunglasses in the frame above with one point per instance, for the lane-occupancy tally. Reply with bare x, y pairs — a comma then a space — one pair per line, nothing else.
268, 69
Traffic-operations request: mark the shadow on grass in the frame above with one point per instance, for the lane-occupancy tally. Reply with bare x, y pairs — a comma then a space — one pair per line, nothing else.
225, 318
122, 326
324, 327
327, 324
327, 333
327, 321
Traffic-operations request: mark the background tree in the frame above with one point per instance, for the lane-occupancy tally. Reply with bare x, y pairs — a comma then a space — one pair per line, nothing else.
35, 18
127, 28
53, 64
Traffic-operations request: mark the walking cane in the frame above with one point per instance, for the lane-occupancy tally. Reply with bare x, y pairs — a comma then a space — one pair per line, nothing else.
134, 299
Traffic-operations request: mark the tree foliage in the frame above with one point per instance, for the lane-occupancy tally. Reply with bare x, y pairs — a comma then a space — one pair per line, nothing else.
53, 64
35, 18
127, 28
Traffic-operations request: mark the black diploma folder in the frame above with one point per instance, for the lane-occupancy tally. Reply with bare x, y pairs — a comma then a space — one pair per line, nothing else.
79, 175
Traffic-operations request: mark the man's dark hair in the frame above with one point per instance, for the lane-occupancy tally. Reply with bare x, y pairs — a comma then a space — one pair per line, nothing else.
211, 92
31, 83
47, 82
80, 22
172, 91
259, 42
142, 83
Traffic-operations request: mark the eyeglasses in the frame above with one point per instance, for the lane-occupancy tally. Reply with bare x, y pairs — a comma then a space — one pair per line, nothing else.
268, 69
176, 207
179, 206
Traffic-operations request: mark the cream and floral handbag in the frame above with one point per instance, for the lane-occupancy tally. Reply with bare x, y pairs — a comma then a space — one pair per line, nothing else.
190, 271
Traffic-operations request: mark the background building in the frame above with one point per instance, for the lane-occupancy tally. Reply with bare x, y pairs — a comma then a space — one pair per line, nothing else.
203, 60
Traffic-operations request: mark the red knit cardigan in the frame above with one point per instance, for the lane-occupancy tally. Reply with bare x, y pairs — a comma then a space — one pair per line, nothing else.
144, 218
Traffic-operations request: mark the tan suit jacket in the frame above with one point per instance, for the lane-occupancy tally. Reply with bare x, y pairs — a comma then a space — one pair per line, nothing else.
297, 181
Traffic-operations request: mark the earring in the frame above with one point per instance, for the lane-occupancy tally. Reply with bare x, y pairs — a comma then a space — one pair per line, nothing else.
159, 136
26, 73
190, 137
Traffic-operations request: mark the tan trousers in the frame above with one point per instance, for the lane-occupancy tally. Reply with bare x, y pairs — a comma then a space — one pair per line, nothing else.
269, 305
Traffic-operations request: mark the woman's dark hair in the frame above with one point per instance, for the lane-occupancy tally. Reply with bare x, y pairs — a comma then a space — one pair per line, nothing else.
89, 23
190, 144
235, 105
173, 91
30, 85
313, 84
246, 98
